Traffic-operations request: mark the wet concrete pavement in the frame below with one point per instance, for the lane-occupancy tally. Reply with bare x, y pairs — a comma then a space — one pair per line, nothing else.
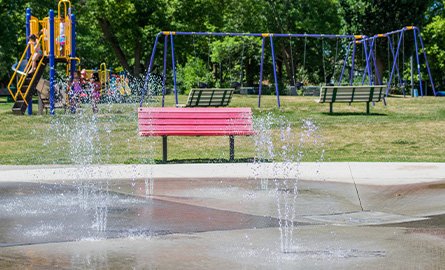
216, 222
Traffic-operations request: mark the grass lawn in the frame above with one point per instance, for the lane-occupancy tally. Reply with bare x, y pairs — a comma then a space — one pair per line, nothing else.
408, 129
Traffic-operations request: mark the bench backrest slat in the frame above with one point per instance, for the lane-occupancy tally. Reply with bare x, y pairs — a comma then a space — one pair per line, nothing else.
195, 121
209, 97
366, 93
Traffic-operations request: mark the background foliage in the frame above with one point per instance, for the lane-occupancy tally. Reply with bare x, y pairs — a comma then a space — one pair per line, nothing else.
121, 33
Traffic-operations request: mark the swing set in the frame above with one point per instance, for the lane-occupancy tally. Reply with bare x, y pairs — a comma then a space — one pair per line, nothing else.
353, 42
398, 37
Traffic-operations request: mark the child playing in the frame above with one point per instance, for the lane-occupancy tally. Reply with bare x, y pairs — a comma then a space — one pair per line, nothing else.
38, 53
75, 92
95, 91
62, 36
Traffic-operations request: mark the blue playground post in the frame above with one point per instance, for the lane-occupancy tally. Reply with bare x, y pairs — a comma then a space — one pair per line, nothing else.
28, 32
52, 63
260, 85
275, 71
174, 68
28, 29
73, 45
165, 69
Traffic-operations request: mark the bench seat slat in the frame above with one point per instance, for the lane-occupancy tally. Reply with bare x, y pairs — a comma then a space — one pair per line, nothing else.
242, 121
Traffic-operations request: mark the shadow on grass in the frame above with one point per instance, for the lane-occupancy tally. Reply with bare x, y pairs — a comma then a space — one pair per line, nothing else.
205, 160
353, 114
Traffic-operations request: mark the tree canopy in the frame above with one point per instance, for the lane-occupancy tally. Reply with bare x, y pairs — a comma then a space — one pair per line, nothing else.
121, 33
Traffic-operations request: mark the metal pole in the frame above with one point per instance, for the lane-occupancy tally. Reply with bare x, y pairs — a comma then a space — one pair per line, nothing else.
257, 34
73, 45
393, 56
174, 69
411, 60
366, 70
374, 59
418, 64
52, 63
394, 63
344, 64
351, 75
261, 72
28, 32
165, 69
274, 71
426, 61
150, 66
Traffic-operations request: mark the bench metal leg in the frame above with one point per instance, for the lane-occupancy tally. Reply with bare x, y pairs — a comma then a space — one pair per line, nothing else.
331, 105
164, 149
232, 147
367, 107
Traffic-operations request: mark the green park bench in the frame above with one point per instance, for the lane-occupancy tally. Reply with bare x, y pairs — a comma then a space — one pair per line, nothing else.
209, 97
350, 94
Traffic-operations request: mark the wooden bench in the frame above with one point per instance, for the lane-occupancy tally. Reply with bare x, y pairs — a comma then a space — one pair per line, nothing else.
349, 94
195, 122
209, 97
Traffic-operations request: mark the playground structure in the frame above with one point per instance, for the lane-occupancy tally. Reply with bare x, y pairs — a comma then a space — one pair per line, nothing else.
109, 81
354, 41
57, 38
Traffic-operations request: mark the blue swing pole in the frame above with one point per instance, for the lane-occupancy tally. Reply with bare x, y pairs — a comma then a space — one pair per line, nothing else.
174, 68
419, 74
150, 67
394, 62
345, 60
426, 61
275, 71
391, 48
164, 74
351, 75
260, 85
366, 72
374, 59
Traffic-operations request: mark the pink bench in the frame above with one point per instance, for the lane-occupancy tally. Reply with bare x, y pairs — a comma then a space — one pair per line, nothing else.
195, 122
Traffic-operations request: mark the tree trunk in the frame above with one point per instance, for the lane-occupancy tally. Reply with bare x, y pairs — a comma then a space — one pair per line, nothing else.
112, 39
288, 65
137, 57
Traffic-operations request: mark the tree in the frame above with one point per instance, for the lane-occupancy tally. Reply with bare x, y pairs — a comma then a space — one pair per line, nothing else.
434, 34
308, 16
126, 26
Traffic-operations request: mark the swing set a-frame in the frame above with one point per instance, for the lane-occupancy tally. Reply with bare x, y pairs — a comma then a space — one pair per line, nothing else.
371, 74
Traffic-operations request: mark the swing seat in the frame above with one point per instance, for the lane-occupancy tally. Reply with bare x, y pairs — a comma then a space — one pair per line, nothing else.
350, 94
209, 97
